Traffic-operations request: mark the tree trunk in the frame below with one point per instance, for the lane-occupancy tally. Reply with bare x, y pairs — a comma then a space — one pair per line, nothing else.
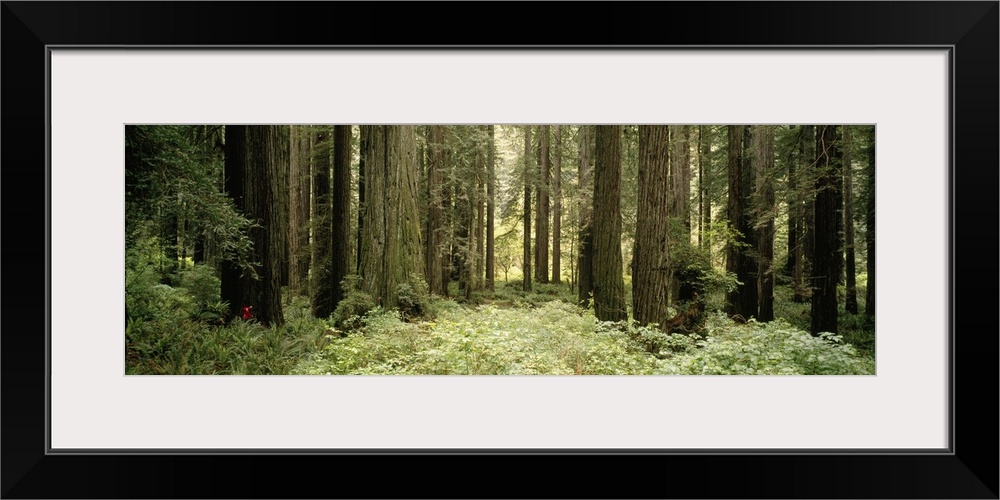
739, 302
341, 214
434, 232
321, 281
806, 216
585, 190
680, 178
390, 245
557, 209
284, 204
526, 260
490, 209
480, 212
870, 224
650, 278
362, 146
749, 298
253, 170
763, 140
793, 218
542, 208
298, 215
826, 254
809, 206
609, 285
852, 291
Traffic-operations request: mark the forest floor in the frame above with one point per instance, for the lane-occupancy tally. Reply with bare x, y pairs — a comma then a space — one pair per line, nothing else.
509, 332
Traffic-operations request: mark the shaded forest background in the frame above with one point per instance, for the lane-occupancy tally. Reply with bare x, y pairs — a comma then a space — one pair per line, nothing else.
500, 249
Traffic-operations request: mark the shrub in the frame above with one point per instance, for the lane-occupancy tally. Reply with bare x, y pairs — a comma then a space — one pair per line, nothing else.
414, 298
355, 304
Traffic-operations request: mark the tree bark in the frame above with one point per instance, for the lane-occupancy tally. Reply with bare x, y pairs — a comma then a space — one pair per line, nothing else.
480, 209
253, 170
557, 209
651, 277
490, 209
851, 304
826, 254
763, 139
542, 208
609, 284
434, 254
742, 301
870, 223
526, 260
807, 168
298, 216
341, 214
391, 246
321, 281
585, 189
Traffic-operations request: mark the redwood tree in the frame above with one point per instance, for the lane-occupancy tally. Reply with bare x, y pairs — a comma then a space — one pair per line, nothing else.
253, 180
585, 190
390, 244
852, 291
870, 222
763, 142
340, 194
321, 283
557, 208
826, 253
609, 285
542, 207
526, 259
651, 279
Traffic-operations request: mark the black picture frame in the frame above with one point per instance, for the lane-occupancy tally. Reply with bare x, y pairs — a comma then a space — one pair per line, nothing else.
970, 29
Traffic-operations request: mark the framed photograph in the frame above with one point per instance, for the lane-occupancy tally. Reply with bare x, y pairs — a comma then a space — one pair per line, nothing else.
923, 74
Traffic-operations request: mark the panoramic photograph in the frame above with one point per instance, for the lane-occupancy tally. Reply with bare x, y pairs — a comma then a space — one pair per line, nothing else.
499, 249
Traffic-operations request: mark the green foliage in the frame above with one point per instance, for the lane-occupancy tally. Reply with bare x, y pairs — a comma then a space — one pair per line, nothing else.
355, 304
414, 298
559, 338
774, 348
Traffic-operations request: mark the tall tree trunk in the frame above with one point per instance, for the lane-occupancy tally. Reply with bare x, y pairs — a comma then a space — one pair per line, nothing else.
322, 284
362, 146
434, 232
480, 211
585, 190
825, 257
704, 204
793, 217
390, 245
870, 223
763, 140
542, 207
490, 209
852, 291
651, 279
253, 170
284, 203
297, 272
742, 301
526, 260
807, 167
680, 173
448, 247
557, 209
805, 214
750, 300
341, 214
609, 284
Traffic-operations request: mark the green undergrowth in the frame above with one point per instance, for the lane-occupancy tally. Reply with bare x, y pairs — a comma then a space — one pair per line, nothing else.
557, 338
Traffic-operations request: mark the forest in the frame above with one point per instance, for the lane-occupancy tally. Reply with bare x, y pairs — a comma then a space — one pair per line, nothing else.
500, 249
